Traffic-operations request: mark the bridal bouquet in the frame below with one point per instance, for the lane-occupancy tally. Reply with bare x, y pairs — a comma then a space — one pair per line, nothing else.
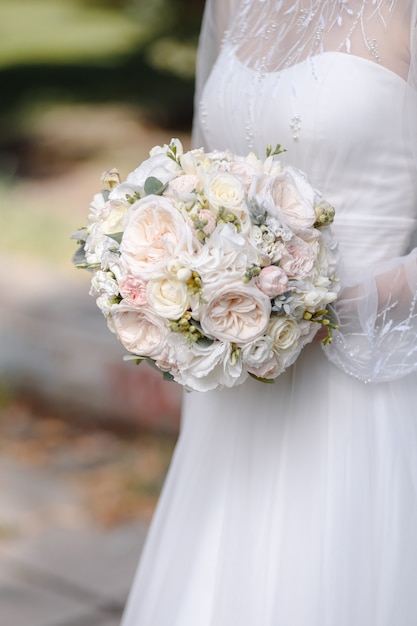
211, 266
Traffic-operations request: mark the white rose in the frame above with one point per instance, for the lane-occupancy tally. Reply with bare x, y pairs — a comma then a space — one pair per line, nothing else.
270, 369
257, 352
244, 170
223, 258
295, 197
155, 233
140, 331
284, 332
203, 368
225, 190
237, 313
160, 166
168, 297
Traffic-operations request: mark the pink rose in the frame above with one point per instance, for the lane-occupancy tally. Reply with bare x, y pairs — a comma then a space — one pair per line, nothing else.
273, 281
133, 291
237, 313
155, 233
182, 185
297, 258
140, 331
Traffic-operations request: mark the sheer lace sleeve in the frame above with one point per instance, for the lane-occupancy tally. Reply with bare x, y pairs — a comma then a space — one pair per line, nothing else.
377, 340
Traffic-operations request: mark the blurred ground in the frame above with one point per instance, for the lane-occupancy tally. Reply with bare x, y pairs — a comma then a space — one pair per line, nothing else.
75, 503
85, 439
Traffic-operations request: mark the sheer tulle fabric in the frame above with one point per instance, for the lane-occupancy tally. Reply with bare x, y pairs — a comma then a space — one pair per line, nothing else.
295, 504
269, 37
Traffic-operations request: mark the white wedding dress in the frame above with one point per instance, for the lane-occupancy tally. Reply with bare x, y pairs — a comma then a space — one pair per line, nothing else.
295, 504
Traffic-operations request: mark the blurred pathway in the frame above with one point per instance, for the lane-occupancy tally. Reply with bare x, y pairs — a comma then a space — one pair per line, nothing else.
75, 502
56, 568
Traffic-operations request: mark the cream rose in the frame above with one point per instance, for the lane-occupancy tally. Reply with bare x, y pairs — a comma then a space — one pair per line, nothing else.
237, 313
140, 331
225, 190
284, 333
168, 297
155, 233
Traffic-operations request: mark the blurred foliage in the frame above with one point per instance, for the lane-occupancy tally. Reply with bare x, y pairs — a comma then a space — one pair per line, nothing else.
139, 52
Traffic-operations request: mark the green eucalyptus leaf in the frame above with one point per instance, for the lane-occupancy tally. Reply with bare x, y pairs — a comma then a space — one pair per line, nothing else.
205, 342
153, 186
168, 376
117, 237
79, 259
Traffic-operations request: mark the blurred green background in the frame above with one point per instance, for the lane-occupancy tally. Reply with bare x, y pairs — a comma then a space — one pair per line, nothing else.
86, 85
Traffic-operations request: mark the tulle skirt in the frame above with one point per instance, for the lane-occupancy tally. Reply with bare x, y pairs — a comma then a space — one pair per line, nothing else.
291, 504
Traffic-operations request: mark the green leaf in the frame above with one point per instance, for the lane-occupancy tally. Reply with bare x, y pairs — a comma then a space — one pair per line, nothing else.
168, 376
79, 259
278, 150
105, 193
332, 316
115, 236
269, 381
80, 235
205, 342
134, 357
153, 186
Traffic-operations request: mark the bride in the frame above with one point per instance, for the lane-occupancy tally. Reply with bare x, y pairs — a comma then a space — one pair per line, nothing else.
295, 504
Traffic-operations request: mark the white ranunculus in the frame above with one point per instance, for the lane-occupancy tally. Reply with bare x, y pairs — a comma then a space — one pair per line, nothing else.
140, 331
237, 313
167, 296
155, 233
